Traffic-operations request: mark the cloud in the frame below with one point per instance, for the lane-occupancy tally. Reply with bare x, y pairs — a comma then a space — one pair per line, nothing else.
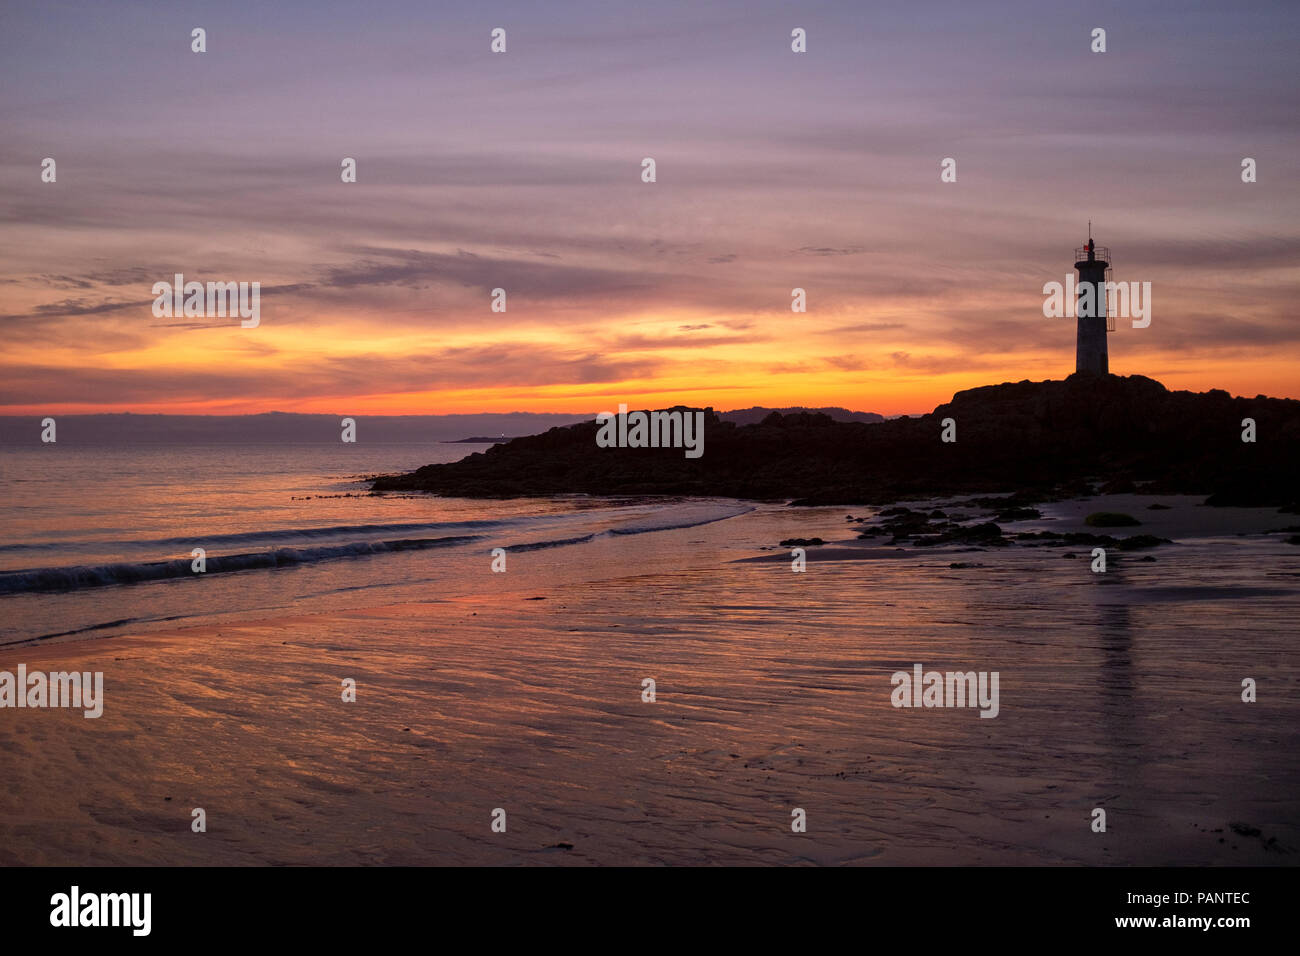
518, 365
864, 327
828, 251
846, 363
523, 173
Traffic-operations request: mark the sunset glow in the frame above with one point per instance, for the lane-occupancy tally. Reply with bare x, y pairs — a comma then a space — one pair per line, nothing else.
522, 172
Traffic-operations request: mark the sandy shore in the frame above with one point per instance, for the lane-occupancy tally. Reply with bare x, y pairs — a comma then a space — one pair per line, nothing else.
773, 692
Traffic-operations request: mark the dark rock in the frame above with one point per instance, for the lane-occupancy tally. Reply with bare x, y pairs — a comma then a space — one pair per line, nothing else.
1131, 543
1048, 440
1137, 541
987, 534
1110, 519
1117, 486
800, 542
1018, 514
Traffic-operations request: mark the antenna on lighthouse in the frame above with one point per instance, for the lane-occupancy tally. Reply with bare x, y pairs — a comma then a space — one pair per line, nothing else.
1090, 230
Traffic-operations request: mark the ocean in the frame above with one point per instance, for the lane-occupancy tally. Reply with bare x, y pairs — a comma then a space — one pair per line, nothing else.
1120, 691
95, 540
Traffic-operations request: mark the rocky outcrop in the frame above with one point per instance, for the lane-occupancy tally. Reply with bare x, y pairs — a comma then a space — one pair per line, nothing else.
1037, 439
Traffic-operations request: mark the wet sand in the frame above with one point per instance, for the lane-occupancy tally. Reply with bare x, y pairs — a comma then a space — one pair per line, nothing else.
1119, 691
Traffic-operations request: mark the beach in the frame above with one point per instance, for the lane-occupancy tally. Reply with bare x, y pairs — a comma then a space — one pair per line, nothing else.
523, 691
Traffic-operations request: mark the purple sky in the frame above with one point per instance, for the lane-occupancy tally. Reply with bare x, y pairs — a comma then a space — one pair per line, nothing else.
522, 170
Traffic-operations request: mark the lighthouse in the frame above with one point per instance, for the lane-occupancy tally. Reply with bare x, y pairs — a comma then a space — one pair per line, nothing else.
1092, 261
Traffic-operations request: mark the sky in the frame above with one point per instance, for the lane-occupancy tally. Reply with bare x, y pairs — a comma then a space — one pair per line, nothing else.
522, 171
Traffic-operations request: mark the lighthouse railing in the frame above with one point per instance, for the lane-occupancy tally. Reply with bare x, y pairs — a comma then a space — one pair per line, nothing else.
1099, 253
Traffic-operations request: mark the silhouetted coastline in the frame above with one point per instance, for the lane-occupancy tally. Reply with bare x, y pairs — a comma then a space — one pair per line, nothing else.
1037, 440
